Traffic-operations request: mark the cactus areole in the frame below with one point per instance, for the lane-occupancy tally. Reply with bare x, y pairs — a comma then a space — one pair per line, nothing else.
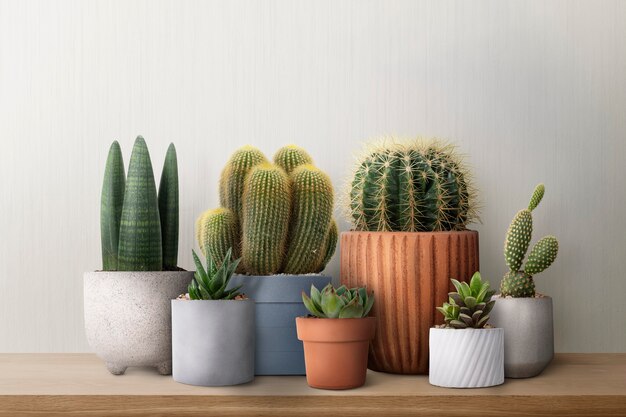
139, 227
410, 202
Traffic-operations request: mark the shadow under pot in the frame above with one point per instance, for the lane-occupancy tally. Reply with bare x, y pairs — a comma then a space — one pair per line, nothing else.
128, 317
528, 334
213, 341
466, 358
335, 350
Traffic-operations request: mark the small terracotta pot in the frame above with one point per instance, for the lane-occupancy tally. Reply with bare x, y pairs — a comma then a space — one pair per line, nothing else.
335, 350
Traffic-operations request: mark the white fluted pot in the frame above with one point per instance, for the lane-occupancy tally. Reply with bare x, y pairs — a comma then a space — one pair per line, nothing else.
466, 358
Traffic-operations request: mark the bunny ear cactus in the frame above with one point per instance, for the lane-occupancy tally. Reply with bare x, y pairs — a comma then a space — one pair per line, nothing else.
139, 227
277, 216
470, 305
411, 186
519, 282
340, 303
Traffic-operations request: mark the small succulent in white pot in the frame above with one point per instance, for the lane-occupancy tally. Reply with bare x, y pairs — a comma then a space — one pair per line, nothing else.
213, 334
525, 315
465, 352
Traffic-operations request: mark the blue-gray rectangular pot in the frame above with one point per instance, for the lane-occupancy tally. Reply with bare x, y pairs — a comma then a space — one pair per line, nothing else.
278, 302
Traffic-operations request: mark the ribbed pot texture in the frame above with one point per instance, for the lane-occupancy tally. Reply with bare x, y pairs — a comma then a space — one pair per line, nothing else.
335, 350
409, 274
466, 358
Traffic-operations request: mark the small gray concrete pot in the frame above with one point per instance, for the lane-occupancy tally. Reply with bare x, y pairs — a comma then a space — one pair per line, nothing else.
278, 303
213, 342
128, 317
466, 358
528, 334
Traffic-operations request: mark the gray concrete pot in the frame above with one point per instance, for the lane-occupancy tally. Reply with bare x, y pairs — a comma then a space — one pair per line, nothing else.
278, 303
528, 334
466, 358
213, 342
128, 317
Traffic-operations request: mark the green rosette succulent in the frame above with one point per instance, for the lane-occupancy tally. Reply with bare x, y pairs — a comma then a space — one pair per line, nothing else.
340, 303
470, 305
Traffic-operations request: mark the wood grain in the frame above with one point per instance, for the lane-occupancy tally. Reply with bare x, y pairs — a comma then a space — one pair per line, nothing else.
410, 275
78, 384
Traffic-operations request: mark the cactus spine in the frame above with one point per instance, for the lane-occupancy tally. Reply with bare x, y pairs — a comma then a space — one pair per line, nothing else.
111, 202
518, 282
265, 226
312, 213
217, 233
168, 209
411, 186
136, 234
284, 221
234, 175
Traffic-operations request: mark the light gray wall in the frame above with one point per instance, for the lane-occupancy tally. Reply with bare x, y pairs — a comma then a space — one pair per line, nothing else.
531, 91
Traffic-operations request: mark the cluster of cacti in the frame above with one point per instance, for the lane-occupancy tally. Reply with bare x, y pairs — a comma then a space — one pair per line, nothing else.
342, 303
211, 283
470, 305
519, 282
139, 228
411, 186
276, 216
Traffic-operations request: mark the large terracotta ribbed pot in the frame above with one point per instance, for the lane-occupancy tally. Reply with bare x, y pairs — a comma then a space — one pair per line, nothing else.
410, 275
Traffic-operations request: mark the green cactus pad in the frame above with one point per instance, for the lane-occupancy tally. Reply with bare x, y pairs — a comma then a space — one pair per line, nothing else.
517, 239
233, 177
216, 231
312, 210
542, 255
168, 209
112, 200
265, 214
411, 186
140, 226
536, 197
517, 284
290, 157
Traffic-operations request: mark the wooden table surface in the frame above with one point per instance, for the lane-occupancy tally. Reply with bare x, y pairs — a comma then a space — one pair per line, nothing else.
79, 384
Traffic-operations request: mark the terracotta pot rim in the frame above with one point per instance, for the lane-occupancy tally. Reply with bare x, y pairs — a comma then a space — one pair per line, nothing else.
445, 232
330, 319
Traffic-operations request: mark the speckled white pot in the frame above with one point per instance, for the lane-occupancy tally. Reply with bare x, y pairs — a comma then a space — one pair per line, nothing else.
128, 317
466, 358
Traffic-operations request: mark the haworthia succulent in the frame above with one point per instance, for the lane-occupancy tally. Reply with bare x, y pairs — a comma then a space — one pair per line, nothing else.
140, 227
111, 202
411, 186
168, 209
517, 239
265, 213
291, 157
312, 209
217, 233
233, 177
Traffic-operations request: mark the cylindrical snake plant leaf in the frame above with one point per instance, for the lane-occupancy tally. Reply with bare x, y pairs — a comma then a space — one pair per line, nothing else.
168, 209
140, 227
111, 202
